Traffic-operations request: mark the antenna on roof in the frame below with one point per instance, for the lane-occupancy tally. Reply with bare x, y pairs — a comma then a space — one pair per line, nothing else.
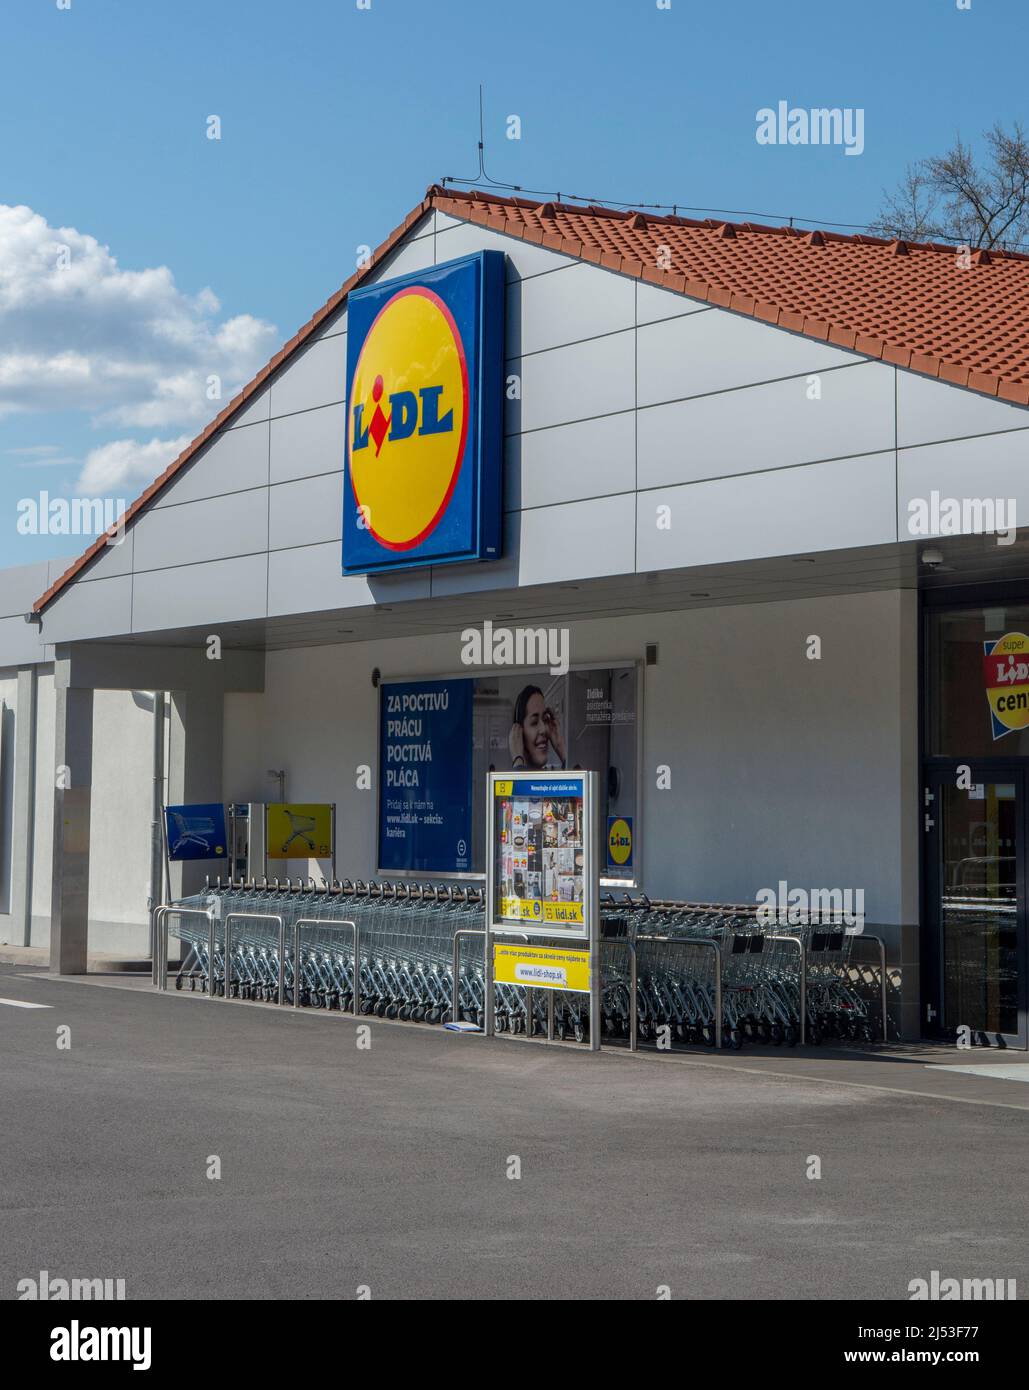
454, 178
482, 176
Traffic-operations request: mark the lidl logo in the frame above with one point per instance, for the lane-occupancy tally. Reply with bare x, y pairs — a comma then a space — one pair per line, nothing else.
1006, 677
409, 418
425, 417
619, 842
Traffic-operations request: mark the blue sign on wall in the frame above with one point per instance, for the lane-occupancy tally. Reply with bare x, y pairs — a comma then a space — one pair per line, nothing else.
425, 776
425, 403
196, 832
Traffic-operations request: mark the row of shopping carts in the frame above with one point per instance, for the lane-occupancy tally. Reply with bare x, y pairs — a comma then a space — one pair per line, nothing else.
403, 967
758, 975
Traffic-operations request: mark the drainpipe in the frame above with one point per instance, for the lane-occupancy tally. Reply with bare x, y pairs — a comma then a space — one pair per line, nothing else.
156, 810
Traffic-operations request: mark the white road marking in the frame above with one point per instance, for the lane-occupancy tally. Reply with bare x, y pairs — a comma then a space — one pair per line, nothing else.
23, 1004
1003, 1071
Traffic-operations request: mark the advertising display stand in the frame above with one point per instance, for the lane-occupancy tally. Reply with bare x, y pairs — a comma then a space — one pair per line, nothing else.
542, 888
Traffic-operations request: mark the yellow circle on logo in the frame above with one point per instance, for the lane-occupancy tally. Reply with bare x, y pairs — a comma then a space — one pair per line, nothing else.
408, 418
619, 842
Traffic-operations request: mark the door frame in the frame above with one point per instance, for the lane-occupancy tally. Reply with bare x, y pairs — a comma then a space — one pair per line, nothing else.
939, 773
984, 769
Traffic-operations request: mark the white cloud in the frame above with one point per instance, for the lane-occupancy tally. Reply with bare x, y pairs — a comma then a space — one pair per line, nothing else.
126, 464
40, 456
125, 346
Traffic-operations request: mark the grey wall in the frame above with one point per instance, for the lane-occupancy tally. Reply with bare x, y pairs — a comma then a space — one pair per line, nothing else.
632, 399
20, 642
781, 767
119, 823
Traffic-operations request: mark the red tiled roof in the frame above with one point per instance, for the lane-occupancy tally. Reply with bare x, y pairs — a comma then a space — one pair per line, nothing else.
910, 304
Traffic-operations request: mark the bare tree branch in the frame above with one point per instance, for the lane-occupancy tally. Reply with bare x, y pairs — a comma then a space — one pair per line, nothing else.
951, 197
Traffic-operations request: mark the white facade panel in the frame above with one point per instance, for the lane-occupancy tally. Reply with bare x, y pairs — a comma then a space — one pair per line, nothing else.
308, 444
570, 462
654, 304
930, 411
306, 512
90, 608
566, 307
523, 257
697, 353
236, 524
442, 221
253, 412
20, 586
335, 324
217, 592
992, 467
316, 376
823, 506
408, 256
573, 383
235, 459
577, 541
19, 640
770, 426
114, 559
310, 580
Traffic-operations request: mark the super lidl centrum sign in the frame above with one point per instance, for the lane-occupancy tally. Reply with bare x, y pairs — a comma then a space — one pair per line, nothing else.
425, 392
1006, 677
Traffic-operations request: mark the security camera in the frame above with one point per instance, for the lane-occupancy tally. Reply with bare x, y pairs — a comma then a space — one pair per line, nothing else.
933, 558
376, 677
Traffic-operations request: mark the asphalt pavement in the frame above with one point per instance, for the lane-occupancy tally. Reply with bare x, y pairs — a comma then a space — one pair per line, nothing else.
431, 1165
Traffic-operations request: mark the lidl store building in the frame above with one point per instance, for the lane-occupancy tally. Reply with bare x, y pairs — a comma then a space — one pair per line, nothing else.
720, 511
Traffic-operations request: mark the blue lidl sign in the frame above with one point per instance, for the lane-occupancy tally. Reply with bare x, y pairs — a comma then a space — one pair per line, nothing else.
425, 401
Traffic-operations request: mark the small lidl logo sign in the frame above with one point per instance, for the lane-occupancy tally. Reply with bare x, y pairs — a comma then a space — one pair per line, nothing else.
425, 418
1006, 677
619, 842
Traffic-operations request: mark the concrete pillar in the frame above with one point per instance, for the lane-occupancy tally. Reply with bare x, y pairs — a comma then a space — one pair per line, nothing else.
73, 773
195, 770
912, 1011
23, 819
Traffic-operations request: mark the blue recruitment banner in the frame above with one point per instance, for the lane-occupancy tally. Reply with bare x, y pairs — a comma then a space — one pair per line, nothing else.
425, 776
196, 832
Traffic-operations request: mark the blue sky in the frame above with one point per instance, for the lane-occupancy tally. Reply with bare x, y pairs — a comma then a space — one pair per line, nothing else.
335, 119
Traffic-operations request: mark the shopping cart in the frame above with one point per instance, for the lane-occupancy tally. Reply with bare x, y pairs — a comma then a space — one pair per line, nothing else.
402, 967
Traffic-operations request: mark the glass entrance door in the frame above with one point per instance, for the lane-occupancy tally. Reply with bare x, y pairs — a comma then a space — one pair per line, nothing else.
976, 878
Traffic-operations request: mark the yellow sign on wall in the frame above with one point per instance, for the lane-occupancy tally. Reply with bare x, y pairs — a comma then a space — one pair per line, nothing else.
541, 967
299, 831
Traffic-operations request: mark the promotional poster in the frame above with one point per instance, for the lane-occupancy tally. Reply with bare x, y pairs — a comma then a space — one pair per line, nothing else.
439, 739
